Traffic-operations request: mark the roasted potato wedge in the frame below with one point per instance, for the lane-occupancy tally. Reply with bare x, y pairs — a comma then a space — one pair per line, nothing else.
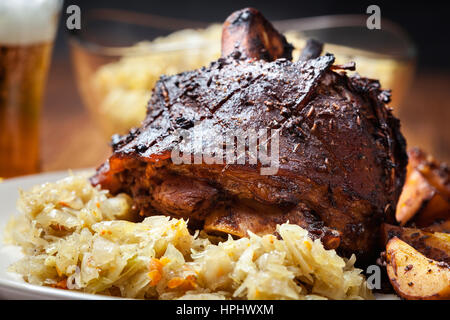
416, 194
438, 207
437, 173
426, 194
435, 245
439, 226
413, 275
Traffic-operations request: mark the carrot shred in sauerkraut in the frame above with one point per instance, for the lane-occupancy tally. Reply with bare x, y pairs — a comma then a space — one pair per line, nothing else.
98, 249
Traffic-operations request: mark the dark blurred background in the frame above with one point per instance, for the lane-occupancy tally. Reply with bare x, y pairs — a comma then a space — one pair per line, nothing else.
69, 136
427, 22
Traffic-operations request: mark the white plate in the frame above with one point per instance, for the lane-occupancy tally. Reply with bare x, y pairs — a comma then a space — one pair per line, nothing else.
12, 285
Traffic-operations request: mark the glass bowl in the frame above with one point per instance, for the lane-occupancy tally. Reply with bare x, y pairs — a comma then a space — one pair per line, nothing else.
387, 54
116, 65
118, 56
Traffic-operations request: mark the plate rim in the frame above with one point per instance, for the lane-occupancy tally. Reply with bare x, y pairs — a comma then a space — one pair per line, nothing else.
48, 292
20, 287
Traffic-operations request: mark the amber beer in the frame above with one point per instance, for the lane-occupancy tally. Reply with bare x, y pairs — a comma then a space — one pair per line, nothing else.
23, 70
26, 37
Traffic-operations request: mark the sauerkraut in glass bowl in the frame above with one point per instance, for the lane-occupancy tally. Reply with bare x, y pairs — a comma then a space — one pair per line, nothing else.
117, 62
119, 56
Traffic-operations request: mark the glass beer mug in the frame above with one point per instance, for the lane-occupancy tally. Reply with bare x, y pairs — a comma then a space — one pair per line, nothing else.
27, 31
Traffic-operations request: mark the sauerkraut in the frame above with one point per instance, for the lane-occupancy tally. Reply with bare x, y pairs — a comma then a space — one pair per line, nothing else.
75, 236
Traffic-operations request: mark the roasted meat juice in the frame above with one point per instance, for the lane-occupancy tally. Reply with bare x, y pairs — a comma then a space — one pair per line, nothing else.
27, 30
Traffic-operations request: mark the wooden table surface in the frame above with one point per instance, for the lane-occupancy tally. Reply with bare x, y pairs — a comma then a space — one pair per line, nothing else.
71, 140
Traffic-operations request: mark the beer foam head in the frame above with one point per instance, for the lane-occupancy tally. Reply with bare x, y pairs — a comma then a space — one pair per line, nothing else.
28, 21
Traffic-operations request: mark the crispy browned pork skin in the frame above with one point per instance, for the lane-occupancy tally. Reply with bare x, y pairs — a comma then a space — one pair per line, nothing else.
342, 156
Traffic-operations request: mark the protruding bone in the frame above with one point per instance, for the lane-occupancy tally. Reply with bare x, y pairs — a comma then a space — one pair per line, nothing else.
248, 32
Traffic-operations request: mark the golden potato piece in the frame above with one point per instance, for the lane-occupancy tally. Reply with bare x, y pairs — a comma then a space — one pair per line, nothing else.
416, 194
438, 207
426, 194
437, 173
434, 245
413, 275
439, 226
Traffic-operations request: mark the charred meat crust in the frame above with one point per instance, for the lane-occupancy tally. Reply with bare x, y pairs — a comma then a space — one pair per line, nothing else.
342, 156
